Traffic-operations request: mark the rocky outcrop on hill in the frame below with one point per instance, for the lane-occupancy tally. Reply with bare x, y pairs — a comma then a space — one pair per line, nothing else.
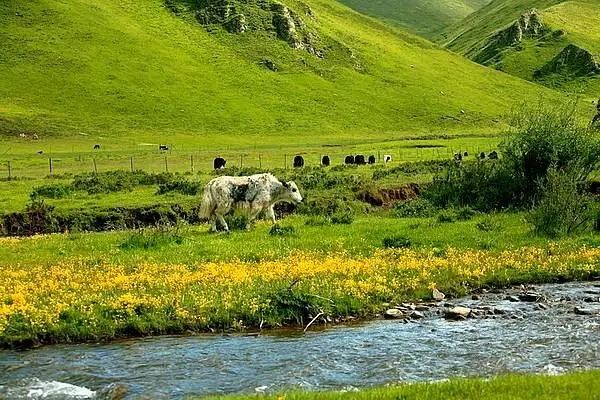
572, 61
239, 16
529, 24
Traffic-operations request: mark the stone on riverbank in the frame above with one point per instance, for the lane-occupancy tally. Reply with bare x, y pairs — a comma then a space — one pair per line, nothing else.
393, 313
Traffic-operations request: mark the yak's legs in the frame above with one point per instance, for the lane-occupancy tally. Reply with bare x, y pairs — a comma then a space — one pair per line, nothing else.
222, 222
271, 214
219, 213
252, 214
213, 223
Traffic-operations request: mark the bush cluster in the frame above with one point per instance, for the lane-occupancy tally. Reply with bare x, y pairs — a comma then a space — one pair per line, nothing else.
51, 191
562, 207
544, 166
415, 208
117, 181
396, 242
180, 186
39, 218
543, 140
411, 168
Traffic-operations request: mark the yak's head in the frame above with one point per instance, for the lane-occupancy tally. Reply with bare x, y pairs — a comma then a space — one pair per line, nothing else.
291, 193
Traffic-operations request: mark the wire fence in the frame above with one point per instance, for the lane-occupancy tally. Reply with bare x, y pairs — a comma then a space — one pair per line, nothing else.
201, 162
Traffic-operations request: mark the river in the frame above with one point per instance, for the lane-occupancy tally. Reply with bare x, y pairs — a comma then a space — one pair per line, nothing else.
514, 336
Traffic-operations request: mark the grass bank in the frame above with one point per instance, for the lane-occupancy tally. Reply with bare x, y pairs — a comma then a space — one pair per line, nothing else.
580, 385
82, 300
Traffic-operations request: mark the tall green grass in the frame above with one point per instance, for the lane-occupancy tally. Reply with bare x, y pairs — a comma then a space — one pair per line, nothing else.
578, 385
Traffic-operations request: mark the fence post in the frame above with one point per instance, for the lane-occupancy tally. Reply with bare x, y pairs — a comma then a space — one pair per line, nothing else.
131, 163
9, 171
259, 161
95, 166
285, 161
166, 165
50, 164
192, 162
241, 161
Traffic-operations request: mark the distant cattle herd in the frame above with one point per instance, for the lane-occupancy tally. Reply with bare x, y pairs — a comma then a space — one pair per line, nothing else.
219, 163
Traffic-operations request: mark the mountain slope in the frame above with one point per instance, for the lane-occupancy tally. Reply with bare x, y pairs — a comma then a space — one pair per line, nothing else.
560, 49
136, 68
425, 17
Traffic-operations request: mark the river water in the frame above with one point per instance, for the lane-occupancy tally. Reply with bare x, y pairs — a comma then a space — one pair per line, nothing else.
521, 336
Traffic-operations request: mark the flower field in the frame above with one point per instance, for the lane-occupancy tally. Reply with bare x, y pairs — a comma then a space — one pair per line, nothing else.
79, 300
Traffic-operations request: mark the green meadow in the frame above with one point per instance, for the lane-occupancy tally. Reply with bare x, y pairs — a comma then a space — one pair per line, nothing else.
581, 385
423, 17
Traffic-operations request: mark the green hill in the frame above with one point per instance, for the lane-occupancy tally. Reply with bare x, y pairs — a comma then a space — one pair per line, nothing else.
425, 17
316, 72
553, 42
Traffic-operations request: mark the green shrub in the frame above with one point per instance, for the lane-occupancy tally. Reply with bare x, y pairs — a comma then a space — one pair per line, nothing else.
396, 242
542, 139
342, 218
465, 213
319, 178
563, 207
325, 206
549, 138
317, 221
237, 221
446, 216
488, 224
416, 208
37, 218
180, 186
51, 191
278, 230
411, 168
484, 185
117, 181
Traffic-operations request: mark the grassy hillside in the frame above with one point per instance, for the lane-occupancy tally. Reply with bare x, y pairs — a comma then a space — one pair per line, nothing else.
425, 17
137, 72
565, 23
466, 35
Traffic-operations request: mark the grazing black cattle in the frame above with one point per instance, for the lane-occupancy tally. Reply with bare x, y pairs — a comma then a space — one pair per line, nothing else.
359, 160
482, 155
96, 147
219, 163
387, 158
163, 147
458, 157
349, 160
298, 162
493, 155
40, 152
325, 161
466, 154
372, 159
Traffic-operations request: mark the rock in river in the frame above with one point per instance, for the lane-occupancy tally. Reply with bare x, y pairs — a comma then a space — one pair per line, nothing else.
458, 313
583, 311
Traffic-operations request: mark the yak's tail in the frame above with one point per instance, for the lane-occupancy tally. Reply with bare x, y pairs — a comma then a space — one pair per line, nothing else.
207, 205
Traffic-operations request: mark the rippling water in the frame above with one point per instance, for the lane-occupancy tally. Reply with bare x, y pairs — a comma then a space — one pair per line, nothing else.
379, 352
